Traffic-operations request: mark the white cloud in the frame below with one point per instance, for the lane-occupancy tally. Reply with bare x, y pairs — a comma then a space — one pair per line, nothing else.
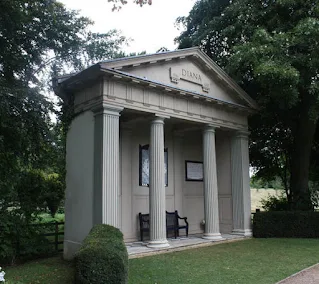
151, 27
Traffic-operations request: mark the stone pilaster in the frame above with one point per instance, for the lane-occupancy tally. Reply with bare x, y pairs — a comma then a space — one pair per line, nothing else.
210, 186
106, 165
157, 185
240, 184
126, 181
179, 172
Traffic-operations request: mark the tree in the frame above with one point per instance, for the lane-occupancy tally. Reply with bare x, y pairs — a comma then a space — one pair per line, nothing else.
270, 48
118, 3
39, 38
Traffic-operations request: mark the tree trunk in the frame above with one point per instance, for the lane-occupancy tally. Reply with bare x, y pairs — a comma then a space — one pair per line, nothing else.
303, 140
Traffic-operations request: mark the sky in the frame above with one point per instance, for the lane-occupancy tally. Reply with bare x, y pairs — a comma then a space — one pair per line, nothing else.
150, 27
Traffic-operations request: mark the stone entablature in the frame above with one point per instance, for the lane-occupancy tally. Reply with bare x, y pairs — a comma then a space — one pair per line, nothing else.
152, 99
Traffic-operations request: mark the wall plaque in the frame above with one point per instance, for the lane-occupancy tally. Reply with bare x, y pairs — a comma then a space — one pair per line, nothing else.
189, 75
194, 171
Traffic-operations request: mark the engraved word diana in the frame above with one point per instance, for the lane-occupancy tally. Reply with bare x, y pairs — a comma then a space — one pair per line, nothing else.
191, 75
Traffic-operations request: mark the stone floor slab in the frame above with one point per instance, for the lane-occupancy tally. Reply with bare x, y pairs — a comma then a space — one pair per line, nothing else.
140, 249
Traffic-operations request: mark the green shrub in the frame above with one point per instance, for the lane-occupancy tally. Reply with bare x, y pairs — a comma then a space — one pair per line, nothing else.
274, 203
286, 224
102, 257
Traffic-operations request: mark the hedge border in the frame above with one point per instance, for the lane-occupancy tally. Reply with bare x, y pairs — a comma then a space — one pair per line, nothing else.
286, 224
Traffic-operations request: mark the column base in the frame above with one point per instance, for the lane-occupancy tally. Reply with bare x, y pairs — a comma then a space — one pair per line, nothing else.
158, 244
70, 248
213, 236
245, 233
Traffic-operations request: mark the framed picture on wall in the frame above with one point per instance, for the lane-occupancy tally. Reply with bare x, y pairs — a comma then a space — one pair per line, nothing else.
194, 171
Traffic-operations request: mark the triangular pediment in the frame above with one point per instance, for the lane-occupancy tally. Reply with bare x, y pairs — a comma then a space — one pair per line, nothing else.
187, 69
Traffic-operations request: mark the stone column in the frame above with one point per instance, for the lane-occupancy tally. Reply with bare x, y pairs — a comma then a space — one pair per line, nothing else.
240, 184
157, 186
106, 166
210, 186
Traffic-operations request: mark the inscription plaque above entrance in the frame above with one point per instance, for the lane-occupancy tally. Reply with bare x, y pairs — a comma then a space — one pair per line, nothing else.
188, 75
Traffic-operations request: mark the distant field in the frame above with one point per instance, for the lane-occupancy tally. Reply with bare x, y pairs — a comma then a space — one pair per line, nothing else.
258, 194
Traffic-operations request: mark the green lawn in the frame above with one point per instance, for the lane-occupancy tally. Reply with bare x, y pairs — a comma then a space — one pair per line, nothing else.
250, 261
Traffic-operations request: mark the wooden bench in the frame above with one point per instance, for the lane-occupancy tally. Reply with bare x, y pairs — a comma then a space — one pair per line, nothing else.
172, 223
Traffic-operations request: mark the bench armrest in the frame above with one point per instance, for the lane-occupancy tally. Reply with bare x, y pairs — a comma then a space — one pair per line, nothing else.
183, 218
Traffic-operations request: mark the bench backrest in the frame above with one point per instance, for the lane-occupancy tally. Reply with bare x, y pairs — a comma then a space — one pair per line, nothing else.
144, 220
171, 220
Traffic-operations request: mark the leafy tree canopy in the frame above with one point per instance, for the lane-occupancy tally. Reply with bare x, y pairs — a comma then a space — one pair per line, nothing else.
118, 3
39, 38
270, 48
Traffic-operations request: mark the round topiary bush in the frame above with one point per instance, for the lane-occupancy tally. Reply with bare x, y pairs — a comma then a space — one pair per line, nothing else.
102, 257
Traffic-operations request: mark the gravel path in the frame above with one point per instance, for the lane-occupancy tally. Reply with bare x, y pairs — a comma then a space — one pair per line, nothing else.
307, 276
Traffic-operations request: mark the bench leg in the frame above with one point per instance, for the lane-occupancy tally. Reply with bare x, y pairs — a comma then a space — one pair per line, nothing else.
141, 236
186, 231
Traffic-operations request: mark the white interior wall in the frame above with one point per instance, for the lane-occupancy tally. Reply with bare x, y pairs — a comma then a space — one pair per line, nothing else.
185, 196
223, 160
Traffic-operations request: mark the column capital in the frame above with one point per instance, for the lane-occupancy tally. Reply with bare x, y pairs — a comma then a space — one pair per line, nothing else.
210, 128
107, 109
242, 134
159, 118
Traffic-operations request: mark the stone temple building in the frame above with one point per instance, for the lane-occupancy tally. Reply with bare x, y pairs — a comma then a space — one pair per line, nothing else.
166, 131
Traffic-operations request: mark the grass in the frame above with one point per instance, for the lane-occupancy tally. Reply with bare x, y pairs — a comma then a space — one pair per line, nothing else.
49, 271
260, 261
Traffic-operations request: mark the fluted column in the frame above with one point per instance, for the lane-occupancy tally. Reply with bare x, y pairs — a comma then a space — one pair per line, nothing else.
106, 166
210, 186
157, 186
240, 184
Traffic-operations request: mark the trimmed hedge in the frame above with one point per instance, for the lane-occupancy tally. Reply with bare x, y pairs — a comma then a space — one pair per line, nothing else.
102, 257
286, 224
